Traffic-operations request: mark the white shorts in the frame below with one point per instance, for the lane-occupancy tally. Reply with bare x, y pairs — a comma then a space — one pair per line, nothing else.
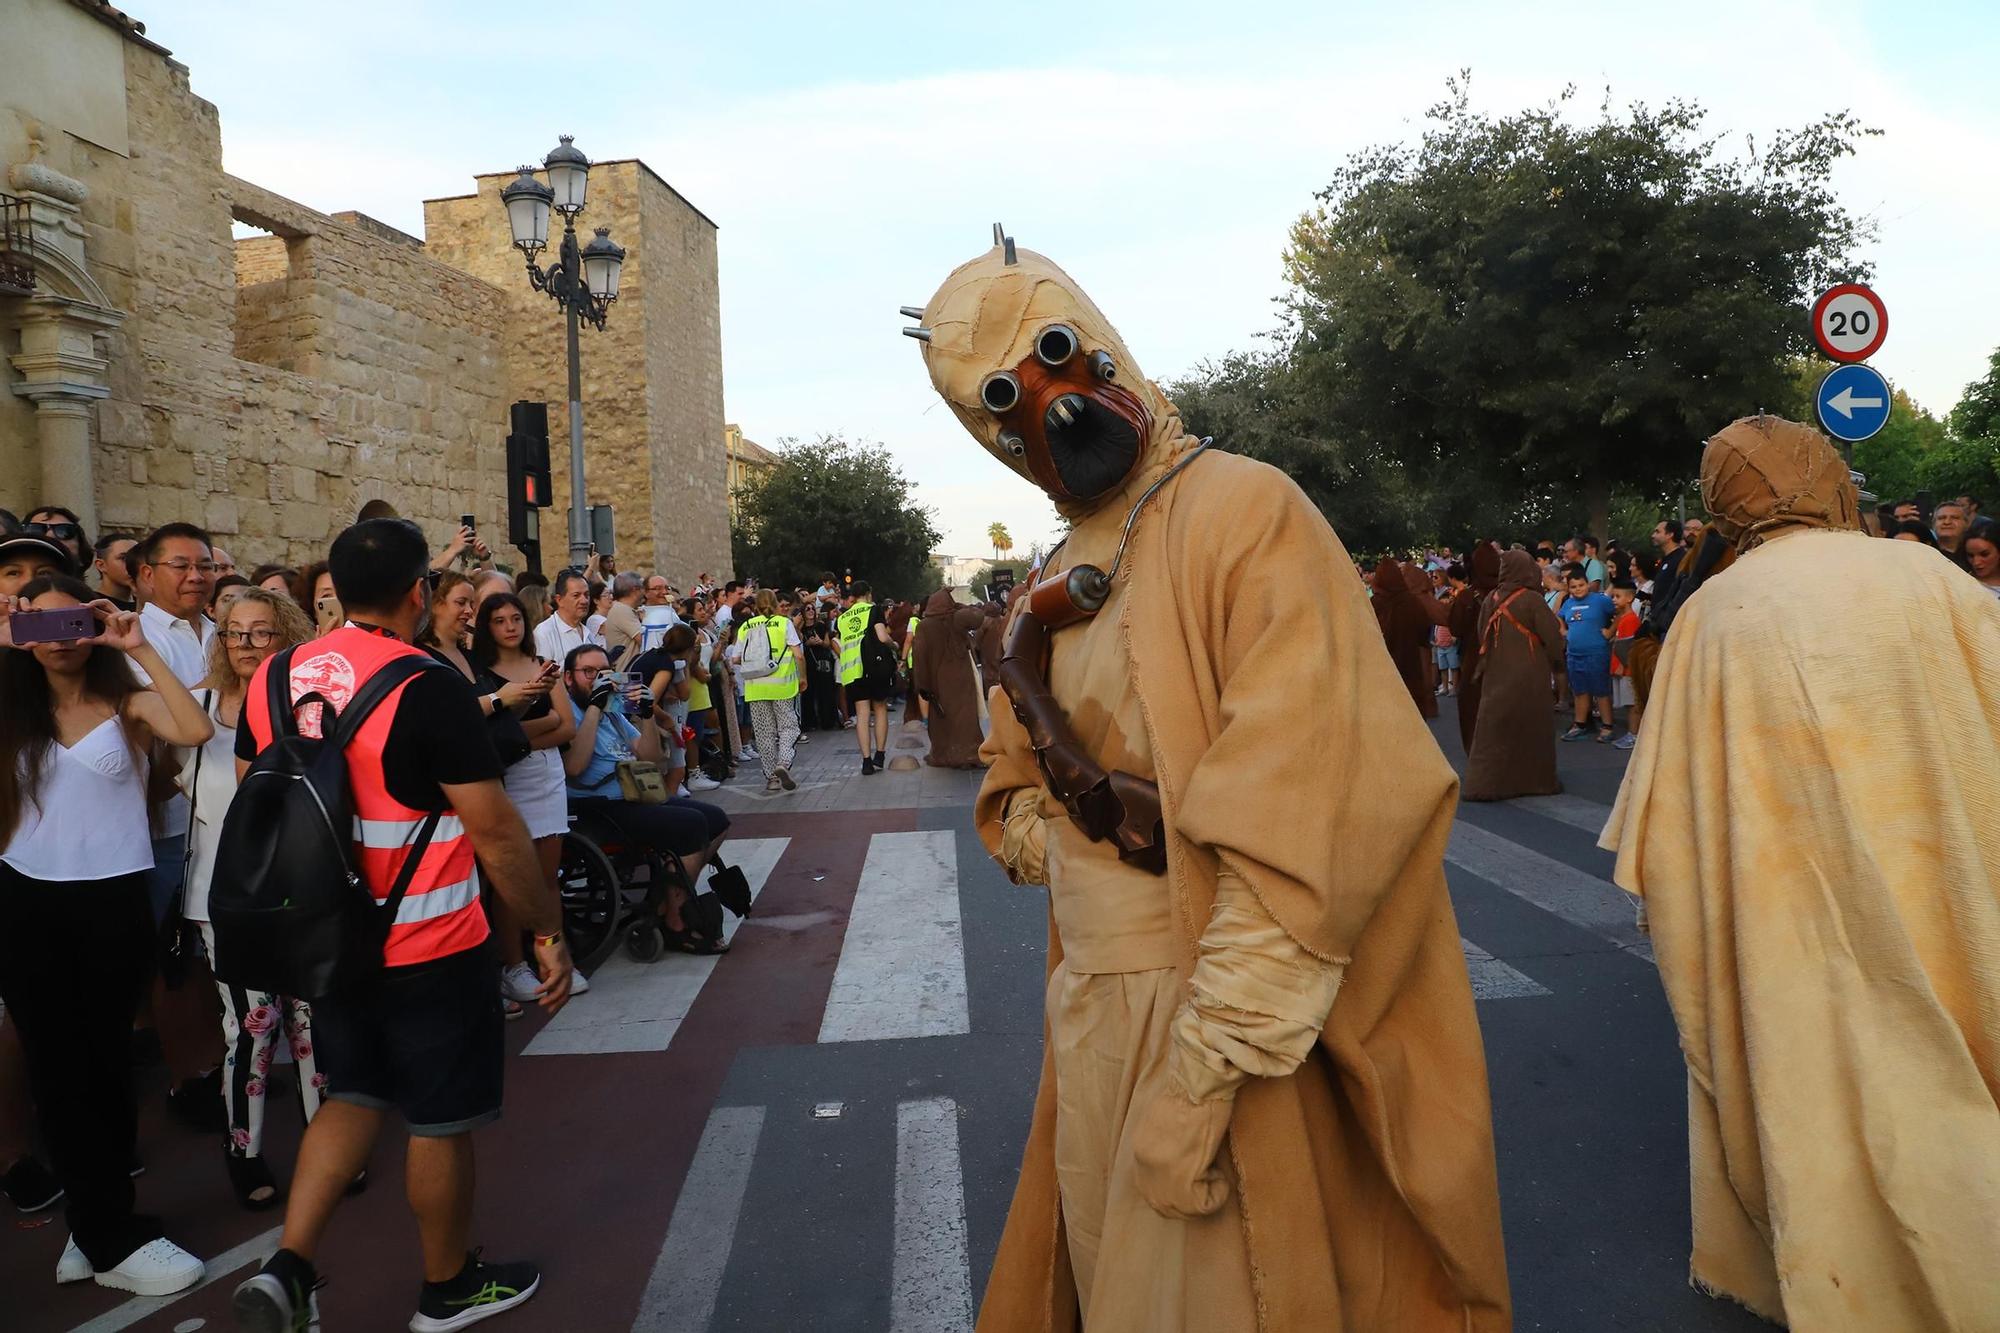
1621, 692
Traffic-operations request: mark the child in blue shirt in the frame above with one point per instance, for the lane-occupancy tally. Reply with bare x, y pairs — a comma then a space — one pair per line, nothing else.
1588, 619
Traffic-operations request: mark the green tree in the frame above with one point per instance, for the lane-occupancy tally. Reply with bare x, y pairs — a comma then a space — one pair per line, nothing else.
836, 505
1977, 416
1538, 306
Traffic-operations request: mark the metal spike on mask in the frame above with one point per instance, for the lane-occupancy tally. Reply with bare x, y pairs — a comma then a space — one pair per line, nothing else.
1006, 244
920, 333
915, 312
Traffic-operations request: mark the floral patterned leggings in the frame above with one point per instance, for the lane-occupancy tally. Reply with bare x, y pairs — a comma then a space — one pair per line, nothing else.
251, 1022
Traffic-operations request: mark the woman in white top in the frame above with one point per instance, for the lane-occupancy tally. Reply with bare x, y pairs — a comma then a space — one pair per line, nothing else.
502, 651
258, 624
75, 848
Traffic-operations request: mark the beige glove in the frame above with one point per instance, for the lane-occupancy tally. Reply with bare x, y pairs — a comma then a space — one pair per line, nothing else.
1257, 1002
1024, 837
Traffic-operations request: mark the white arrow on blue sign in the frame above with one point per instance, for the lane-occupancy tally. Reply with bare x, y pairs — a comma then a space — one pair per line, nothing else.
1853, 402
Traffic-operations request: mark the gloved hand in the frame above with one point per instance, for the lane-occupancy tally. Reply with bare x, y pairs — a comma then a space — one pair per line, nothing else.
1024, 835
600, 698
641, 703
1175, 1146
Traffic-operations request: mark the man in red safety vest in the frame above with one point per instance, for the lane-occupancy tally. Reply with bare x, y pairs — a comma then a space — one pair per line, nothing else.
425, 1037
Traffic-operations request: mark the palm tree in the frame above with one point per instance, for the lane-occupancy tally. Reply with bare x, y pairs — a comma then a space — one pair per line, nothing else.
996, 533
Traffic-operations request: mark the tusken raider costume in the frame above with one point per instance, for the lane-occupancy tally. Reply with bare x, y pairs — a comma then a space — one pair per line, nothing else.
1263, 1098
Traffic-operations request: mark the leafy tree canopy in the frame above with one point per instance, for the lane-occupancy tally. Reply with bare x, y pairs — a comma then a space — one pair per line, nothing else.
832, 504
1526, 306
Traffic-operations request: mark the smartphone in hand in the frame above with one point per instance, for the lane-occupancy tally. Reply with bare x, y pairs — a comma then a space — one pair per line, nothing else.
62, 624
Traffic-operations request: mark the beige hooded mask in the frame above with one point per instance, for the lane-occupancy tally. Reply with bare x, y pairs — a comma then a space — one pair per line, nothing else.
1302, 1002
1761, 474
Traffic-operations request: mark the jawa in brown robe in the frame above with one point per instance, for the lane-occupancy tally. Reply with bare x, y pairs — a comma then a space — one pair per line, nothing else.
944, 677
1406, 611
986, 646
1520, 643
1263, 1099
1462, 619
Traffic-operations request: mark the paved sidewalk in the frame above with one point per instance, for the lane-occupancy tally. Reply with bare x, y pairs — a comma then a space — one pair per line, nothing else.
828, 771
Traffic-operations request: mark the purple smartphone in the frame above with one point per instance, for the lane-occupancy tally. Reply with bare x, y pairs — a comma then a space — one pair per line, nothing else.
63, 624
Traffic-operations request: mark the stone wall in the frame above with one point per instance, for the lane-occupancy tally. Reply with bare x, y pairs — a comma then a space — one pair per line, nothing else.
266, 387
652, 381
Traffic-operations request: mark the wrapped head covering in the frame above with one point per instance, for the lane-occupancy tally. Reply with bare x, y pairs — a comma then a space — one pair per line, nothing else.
1485, 568
1036, 373
1761, 473
1518, 570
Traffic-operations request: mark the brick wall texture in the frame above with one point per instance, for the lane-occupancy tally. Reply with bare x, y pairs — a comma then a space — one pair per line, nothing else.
266, 387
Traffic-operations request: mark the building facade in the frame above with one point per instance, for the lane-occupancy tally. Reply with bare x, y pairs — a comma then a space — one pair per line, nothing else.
749, 462
159, 368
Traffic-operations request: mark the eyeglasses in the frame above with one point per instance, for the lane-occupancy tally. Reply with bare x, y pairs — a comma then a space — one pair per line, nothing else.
258, 636
62, 532
183, 566
432, 577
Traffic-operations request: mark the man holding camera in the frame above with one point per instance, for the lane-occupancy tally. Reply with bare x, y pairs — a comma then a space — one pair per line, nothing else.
608, 741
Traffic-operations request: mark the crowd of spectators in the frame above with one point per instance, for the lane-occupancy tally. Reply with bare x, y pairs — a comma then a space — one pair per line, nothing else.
612, 694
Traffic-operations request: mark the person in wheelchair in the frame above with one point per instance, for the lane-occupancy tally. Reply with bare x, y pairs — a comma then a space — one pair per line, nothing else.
608, 741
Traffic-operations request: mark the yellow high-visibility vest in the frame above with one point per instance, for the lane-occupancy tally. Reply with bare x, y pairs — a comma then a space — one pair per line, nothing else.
851, 627
910, 644
783, 682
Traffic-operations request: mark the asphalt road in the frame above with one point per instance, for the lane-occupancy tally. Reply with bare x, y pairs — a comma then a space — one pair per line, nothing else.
820, 1131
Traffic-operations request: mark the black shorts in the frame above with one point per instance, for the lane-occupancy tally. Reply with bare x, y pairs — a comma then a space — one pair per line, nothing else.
427, 1040
877, 683
680, 826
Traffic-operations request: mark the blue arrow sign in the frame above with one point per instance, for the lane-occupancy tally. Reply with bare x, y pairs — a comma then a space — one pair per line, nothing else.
1853, 402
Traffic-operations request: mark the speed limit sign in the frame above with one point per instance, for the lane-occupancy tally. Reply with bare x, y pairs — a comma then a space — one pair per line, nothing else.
1849, 322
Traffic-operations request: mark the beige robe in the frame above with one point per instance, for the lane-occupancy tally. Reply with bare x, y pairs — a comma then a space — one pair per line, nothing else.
1812, 819
1363, 1192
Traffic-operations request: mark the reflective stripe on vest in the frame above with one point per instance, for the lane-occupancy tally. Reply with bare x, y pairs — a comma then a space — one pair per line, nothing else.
440, 913
853, 623
783, 683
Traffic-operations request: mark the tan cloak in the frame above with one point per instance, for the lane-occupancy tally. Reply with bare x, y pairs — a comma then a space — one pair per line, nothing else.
1812, 819
943, 674
1365, 1179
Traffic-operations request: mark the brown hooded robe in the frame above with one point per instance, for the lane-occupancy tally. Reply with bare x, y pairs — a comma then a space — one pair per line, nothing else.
944, 676
1462, 619
1362, 1189
1405, 611
1514, 747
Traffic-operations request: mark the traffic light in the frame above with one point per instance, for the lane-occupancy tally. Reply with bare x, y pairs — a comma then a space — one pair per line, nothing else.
528, 487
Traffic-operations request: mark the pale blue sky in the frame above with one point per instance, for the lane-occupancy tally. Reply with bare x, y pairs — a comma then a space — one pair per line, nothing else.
853, 153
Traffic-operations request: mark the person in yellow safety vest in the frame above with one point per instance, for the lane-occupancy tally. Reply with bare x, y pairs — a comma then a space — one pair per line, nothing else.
774, 716
867, 671
920, 706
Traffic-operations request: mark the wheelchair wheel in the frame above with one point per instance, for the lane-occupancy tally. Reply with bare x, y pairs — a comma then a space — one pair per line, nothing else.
591, 901
644, 941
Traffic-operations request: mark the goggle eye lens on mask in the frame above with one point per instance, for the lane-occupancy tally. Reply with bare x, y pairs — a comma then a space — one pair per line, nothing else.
1056, 345
1000, 392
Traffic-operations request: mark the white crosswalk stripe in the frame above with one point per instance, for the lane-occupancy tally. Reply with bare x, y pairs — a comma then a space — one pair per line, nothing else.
639, 1006
1564, 808
902, 962
931, 1275
1578, 897
686, 1279
1495, 980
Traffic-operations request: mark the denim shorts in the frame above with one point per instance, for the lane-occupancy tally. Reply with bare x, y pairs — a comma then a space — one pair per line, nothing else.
1446, 658
1590, 675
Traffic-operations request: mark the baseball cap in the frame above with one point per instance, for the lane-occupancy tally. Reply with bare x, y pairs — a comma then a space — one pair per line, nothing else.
14, 545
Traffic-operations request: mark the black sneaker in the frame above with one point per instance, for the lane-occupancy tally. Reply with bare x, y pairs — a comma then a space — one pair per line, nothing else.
867, 765
881, 761
480, 1291
281, 1298
197, 1103
30, 1186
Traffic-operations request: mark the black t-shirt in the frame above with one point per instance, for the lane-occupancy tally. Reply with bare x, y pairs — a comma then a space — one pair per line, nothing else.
439, 737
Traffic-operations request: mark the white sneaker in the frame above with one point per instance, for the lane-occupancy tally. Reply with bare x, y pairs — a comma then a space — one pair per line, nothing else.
702, 782
157, 1268
747, 755
579, 984
519, 983
683, 792
73, 1267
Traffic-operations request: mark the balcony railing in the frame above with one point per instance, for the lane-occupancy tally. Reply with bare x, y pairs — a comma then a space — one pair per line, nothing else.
17, 266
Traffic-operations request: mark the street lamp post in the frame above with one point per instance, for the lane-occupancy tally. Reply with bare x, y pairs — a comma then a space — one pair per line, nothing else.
583, 281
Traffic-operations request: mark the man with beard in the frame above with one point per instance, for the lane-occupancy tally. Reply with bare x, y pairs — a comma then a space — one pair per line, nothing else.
1263, 1099
1820, 896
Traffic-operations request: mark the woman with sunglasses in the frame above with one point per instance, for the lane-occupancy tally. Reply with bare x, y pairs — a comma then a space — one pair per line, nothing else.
75, 850
257, 624
63, 528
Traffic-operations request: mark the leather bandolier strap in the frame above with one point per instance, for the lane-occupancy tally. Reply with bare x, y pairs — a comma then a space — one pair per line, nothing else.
1117, 807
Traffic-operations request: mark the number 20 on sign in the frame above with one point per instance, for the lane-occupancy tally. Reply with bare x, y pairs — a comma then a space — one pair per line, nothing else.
1850, 322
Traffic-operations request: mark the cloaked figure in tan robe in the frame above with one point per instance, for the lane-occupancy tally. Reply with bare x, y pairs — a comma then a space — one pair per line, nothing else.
1263, 1098
1520, 644
945, 678
1811, 822
1462, 619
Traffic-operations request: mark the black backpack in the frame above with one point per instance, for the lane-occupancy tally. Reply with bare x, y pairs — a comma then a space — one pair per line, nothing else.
290, 909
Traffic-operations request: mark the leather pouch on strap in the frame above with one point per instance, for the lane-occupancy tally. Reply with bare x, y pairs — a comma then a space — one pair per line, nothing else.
1117, 807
